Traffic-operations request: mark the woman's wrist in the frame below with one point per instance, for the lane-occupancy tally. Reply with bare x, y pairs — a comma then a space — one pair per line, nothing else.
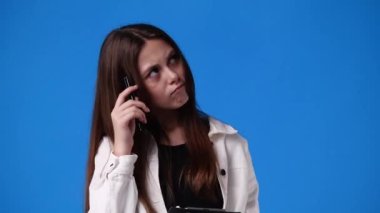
123, 147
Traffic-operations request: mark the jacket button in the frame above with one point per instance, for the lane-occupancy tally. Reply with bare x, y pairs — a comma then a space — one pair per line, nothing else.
223, 172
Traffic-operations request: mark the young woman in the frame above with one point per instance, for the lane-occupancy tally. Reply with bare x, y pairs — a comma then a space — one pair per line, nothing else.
158, 150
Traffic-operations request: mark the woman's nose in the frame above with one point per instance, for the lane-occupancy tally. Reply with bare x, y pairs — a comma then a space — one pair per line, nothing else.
172, 75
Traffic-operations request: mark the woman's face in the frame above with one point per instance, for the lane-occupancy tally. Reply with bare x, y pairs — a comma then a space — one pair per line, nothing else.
163, 74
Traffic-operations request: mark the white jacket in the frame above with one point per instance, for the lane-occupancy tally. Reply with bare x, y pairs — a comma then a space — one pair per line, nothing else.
113, 187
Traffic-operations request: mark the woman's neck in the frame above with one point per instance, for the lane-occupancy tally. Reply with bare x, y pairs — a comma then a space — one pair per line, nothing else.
169, 121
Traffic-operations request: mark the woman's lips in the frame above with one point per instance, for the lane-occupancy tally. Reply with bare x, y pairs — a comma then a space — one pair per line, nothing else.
176, 89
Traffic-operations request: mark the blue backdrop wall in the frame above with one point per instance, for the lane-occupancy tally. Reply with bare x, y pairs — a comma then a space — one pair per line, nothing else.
298, 78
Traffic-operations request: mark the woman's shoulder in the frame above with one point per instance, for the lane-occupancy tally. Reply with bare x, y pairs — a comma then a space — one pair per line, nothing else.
220, 127
227, 140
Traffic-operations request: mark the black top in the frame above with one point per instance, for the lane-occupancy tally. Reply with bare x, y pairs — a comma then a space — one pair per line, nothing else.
182, 195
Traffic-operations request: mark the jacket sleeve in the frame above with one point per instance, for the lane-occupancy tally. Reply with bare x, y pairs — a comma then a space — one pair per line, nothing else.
113, 187
253, 186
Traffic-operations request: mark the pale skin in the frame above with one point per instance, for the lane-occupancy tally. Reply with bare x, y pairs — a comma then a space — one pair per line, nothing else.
163, 77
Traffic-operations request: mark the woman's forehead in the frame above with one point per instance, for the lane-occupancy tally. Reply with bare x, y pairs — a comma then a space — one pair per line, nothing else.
153, 52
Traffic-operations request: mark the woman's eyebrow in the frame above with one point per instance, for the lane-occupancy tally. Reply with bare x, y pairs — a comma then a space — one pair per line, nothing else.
171, 52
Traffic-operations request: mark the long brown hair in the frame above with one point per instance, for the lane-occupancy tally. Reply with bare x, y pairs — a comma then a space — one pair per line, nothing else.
118, 58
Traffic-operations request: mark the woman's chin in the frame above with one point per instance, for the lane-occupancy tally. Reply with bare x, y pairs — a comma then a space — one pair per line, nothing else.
179, 101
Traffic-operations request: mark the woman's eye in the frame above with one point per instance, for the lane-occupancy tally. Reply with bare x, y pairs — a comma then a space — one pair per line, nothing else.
153, 72
173, 59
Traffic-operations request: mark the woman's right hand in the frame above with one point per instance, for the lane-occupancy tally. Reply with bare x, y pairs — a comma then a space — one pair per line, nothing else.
123, 118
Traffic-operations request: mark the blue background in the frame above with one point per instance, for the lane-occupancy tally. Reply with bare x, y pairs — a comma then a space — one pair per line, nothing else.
298, 78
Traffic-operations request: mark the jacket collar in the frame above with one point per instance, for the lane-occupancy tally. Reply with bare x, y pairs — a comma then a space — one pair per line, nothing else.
217, 127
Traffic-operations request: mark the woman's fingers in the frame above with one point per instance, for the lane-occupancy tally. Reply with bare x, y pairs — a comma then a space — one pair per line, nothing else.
123, 116
135, 111
136, 103
133, 114
124, 94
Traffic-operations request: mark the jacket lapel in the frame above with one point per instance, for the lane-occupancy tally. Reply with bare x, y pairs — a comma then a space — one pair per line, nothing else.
217, 135
222, 168
154, 189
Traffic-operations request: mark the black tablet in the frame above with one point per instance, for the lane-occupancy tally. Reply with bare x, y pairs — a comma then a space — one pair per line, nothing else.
196, 210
